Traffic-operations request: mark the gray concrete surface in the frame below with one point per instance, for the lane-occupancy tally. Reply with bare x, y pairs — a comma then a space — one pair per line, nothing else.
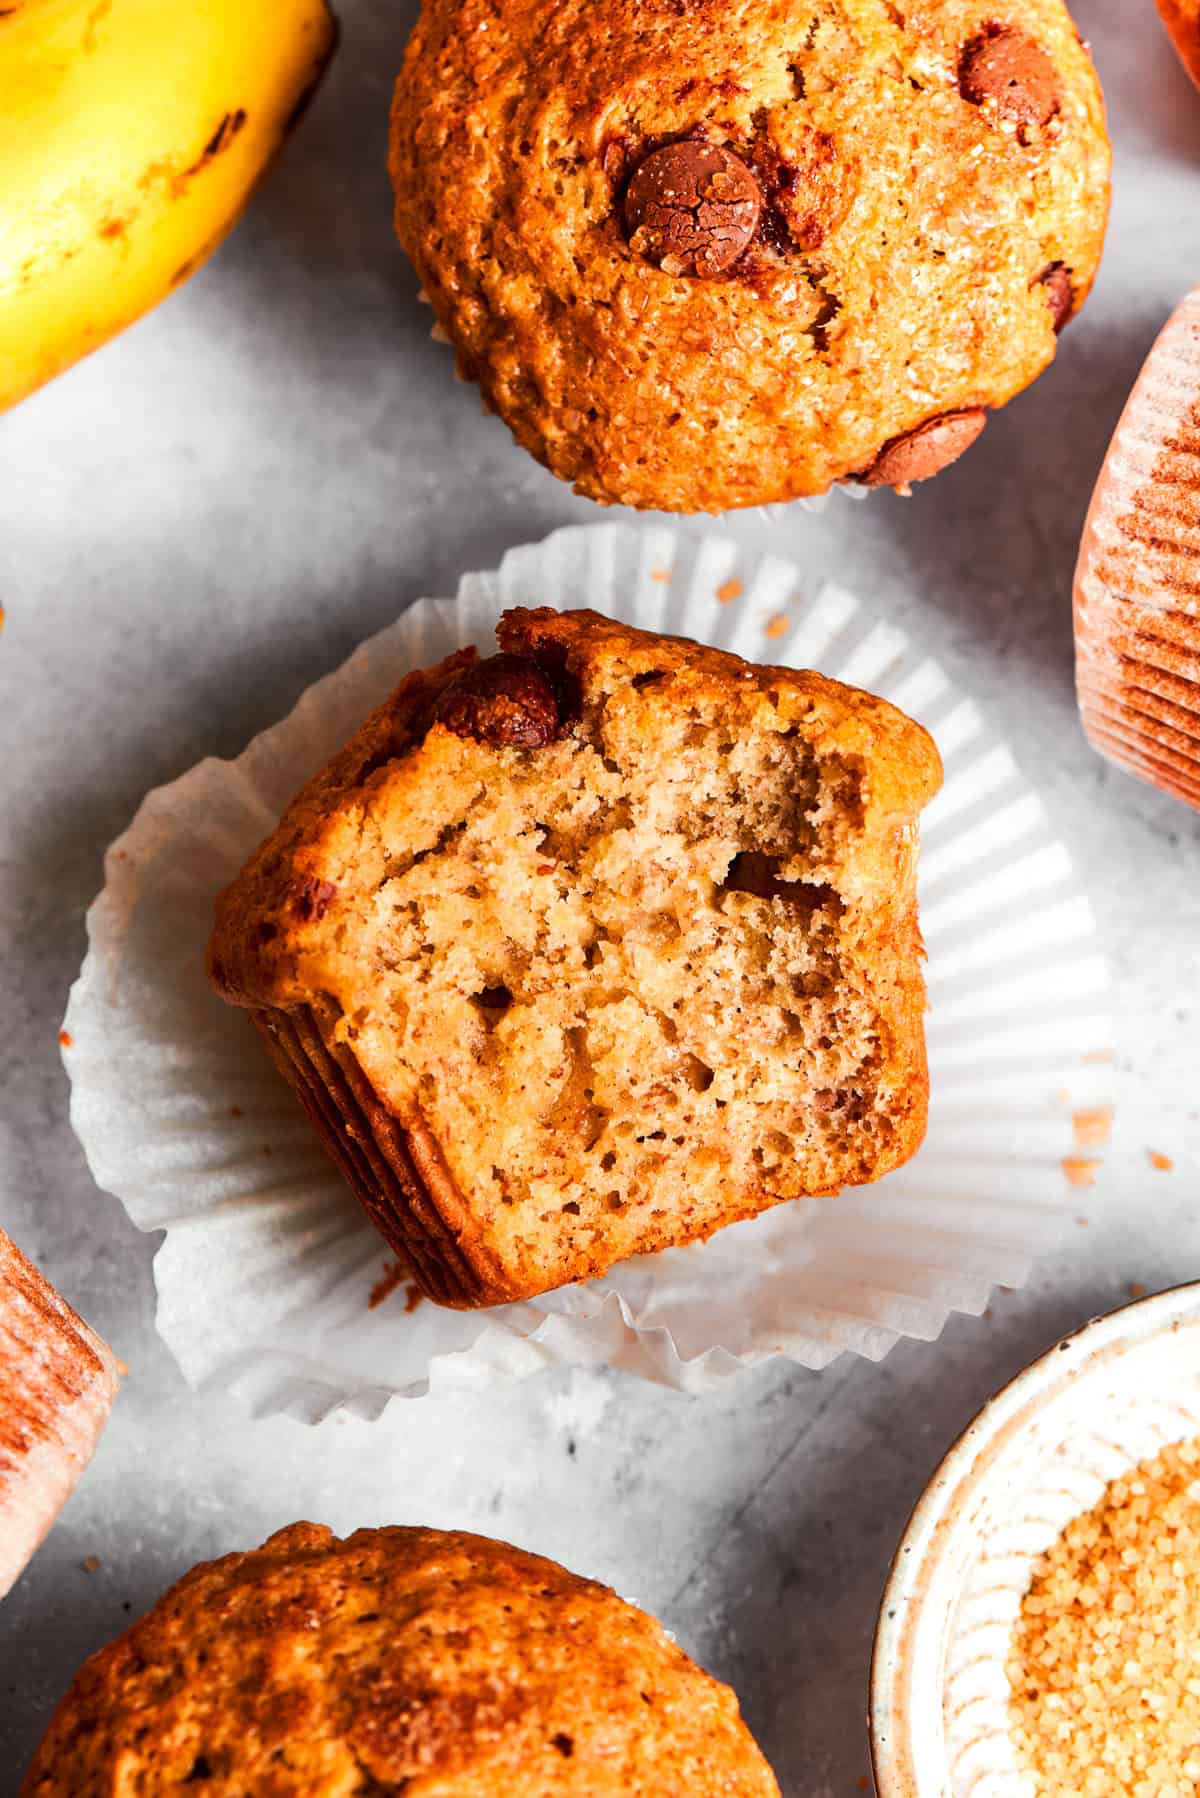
212, 512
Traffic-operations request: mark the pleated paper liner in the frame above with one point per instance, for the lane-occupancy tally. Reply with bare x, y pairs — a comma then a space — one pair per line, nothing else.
1137, 586
266, 1275
58, 1381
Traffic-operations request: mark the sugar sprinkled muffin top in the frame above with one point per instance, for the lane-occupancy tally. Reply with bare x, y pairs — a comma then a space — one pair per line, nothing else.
397, 1660
710, 256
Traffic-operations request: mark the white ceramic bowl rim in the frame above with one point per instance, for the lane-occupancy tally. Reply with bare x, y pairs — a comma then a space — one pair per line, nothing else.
963, 1467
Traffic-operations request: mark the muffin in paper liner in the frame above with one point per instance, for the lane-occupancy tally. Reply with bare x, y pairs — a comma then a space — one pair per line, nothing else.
1038, 1456
268, 1269
1137, 584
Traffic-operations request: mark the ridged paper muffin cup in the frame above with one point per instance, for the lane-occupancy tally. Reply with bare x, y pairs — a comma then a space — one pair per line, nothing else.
266, 1274
1137, 583
1039, 1455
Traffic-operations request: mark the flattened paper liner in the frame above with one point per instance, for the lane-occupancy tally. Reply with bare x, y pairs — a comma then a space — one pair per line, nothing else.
265, 1276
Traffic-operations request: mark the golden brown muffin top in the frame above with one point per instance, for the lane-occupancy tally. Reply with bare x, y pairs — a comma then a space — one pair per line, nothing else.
898, 206
58, 1381
440, 1665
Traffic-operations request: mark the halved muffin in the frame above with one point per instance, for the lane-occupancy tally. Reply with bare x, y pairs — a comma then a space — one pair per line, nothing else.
592, 948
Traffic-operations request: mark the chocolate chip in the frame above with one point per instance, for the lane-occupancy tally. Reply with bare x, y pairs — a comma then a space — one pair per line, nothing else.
1059, 292
313, 898
506, 701
692, 208
926, 451
1006, 68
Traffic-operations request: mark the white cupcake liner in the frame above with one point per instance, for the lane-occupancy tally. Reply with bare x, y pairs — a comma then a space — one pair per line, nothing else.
1038, 1456
267, 1267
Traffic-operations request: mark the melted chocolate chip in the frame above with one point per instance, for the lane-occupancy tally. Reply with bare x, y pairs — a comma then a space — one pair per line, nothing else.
1005, 68
922, 453
312, 899
692, 208
1060, 294
506, 701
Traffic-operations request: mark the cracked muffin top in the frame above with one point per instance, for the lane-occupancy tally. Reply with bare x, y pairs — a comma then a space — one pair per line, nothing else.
704, 255
419, 1661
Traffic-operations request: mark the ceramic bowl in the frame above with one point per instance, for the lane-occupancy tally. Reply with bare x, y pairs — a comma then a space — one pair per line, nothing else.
1039, 1454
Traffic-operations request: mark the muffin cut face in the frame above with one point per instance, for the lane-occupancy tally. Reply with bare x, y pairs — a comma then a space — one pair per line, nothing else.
593, 948
414, 1661
701, 257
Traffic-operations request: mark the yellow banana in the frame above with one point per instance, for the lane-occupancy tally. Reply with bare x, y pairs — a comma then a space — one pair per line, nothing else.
131, 135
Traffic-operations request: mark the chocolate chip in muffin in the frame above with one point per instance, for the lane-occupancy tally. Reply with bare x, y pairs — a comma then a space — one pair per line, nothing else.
313, 899
922, 453
1005, 68
506, 701
1061, 295
692, 208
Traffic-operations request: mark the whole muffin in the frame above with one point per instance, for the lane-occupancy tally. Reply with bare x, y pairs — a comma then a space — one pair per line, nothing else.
397, 1660
700, 257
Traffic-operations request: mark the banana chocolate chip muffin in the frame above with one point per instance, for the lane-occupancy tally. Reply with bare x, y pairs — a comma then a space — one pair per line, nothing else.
593, 947
704, 256
58, 1381
397, 1660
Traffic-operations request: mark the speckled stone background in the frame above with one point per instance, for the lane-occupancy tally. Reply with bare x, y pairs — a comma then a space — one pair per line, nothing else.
212, 512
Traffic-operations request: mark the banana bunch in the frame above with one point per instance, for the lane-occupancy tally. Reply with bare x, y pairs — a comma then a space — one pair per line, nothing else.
131, 135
